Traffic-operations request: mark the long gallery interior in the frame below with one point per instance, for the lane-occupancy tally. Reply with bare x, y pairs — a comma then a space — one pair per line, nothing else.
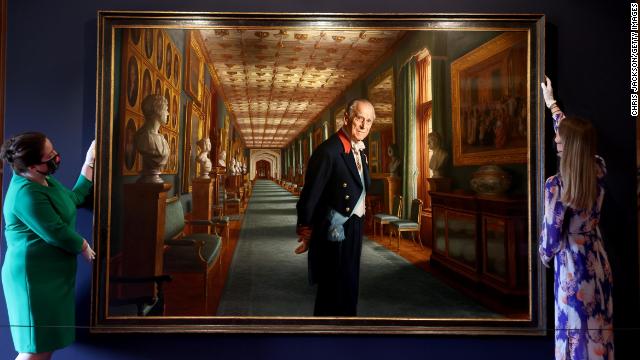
265, 98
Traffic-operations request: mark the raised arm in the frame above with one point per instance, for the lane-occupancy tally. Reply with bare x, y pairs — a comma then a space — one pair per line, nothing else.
90, 159
552, 105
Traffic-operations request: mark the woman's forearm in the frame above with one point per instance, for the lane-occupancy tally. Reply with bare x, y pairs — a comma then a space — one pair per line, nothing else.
557, 115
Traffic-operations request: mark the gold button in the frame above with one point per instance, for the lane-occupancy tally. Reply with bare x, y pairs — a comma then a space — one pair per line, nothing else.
344, 185
347, 209
346, 197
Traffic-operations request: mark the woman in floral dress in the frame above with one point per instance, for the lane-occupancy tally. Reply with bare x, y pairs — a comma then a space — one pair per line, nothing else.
571, 238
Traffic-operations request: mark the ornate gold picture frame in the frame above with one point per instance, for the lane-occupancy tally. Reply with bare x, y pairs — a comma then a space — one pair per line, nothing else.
112, 127
489, 107
194, 70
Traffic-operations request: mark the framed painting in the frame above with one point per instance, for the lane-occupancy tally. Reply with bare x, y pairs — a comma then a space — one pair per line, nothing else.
168, 62
135, 34
172, 164
491, 65
133, 81
131, 162
159, 49
146, 84
148, 43
194, 76
489, 102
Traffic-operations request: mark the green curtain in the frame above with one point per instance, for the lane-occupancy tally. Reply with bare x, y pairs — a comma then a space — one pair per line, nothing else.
408, 107
440, 90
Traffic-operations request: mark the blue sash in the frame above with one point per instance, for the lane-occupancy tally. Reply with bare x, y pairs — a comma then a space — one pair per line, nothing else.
336, 230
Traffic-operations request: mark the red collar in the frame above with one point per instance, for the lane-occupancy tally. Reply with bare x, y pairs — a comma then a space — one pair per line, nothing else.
346, 142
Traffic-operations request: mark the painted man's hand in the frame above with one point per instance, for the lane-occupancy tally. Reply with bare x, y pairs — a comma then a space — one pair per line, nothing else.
304, 235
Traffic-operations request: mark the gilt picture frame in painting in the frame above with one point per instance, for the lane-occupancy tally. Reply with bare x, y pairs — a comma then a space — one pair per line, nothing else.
489, 106
324, 60
194, 73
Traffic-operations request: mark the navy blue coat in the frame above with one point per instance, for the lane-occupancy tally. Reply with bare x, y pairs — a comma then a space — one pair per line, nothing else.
331, 182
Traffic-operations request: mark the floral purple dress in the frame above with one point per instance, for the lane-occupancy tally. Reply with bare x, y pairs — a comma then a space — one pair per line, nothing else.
582, 281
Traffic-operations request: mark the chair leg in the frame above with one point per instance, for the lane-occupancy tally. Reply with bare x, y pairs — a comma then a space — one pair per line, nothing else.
420, 240
398, 233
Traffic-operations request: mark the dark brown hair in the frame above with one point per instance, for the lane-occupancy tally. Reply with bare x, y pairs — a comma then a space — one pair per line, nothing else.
23, 150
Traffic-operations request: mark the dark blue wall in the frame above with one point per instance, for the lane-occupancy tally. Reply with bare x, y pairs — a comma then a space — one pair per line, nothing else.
51, 69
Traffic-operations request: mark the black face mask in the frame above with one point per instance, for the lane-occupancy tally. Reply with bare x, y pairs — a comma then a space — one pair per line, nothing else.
52, 165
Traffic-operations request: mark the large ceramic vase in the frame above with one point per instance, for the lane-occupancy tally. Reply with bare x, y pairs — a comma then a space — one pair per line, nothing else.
490, 180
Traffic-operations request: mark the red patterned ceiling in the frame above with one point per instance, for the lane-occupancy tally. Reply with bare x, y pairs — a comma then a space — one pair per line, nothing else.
275, 81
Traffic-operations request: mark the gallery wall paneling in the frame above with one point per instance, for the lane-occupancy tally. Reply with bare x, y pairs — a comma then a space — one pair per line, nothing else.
59, 99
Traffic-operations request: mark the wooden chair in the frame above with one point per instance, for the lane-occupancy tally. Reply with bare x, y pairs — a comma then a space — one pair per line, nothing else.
232, 203
189, 254
412, 224
384, 218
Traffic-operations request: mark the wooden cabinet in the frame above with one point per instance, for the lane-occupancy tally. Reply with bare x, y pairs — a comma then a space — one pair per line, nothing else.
482, 238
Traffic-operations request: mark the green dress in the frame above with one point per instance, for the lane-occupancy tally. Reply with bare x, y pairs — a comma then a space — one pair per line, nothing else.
39, 271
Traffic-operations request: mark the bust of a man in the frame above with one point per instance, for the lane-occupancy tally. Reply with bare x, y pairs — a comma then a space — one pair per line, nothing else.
234, 166
439, 156
151, 145
394, 163
204, 146
222, 158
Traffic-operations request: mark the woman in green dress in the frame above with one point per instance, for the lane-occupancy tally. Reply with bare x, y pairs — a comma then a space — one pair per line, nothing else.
39, 271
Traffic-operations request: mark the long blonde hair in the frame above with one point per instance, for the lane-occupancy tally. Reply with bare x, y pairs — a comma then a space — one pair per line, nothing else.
577, 163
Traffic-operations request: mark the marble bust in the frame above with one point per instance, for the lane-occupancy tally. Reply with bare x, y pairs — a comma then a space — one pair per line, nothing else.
204, 146
151, 145
439, 156
394, 163
234, 166
222, 158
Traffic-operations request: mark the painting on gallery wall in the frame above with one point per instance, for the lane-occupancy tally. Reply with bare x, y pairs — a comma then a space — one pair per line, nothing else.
489, 102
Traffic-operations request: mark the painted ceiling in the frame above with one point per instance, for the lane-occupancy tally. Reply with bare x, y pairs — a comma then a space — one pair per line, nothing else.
276, 81
382, 98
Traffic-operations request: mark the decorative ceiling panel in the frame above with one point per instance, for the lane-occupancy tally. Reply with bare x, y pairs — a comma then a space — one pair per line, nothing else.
276, 81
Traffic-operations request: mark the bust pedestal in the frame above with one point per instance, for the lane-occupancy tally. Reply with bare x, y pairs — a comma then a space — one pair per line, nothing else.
144, 220
202, 193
